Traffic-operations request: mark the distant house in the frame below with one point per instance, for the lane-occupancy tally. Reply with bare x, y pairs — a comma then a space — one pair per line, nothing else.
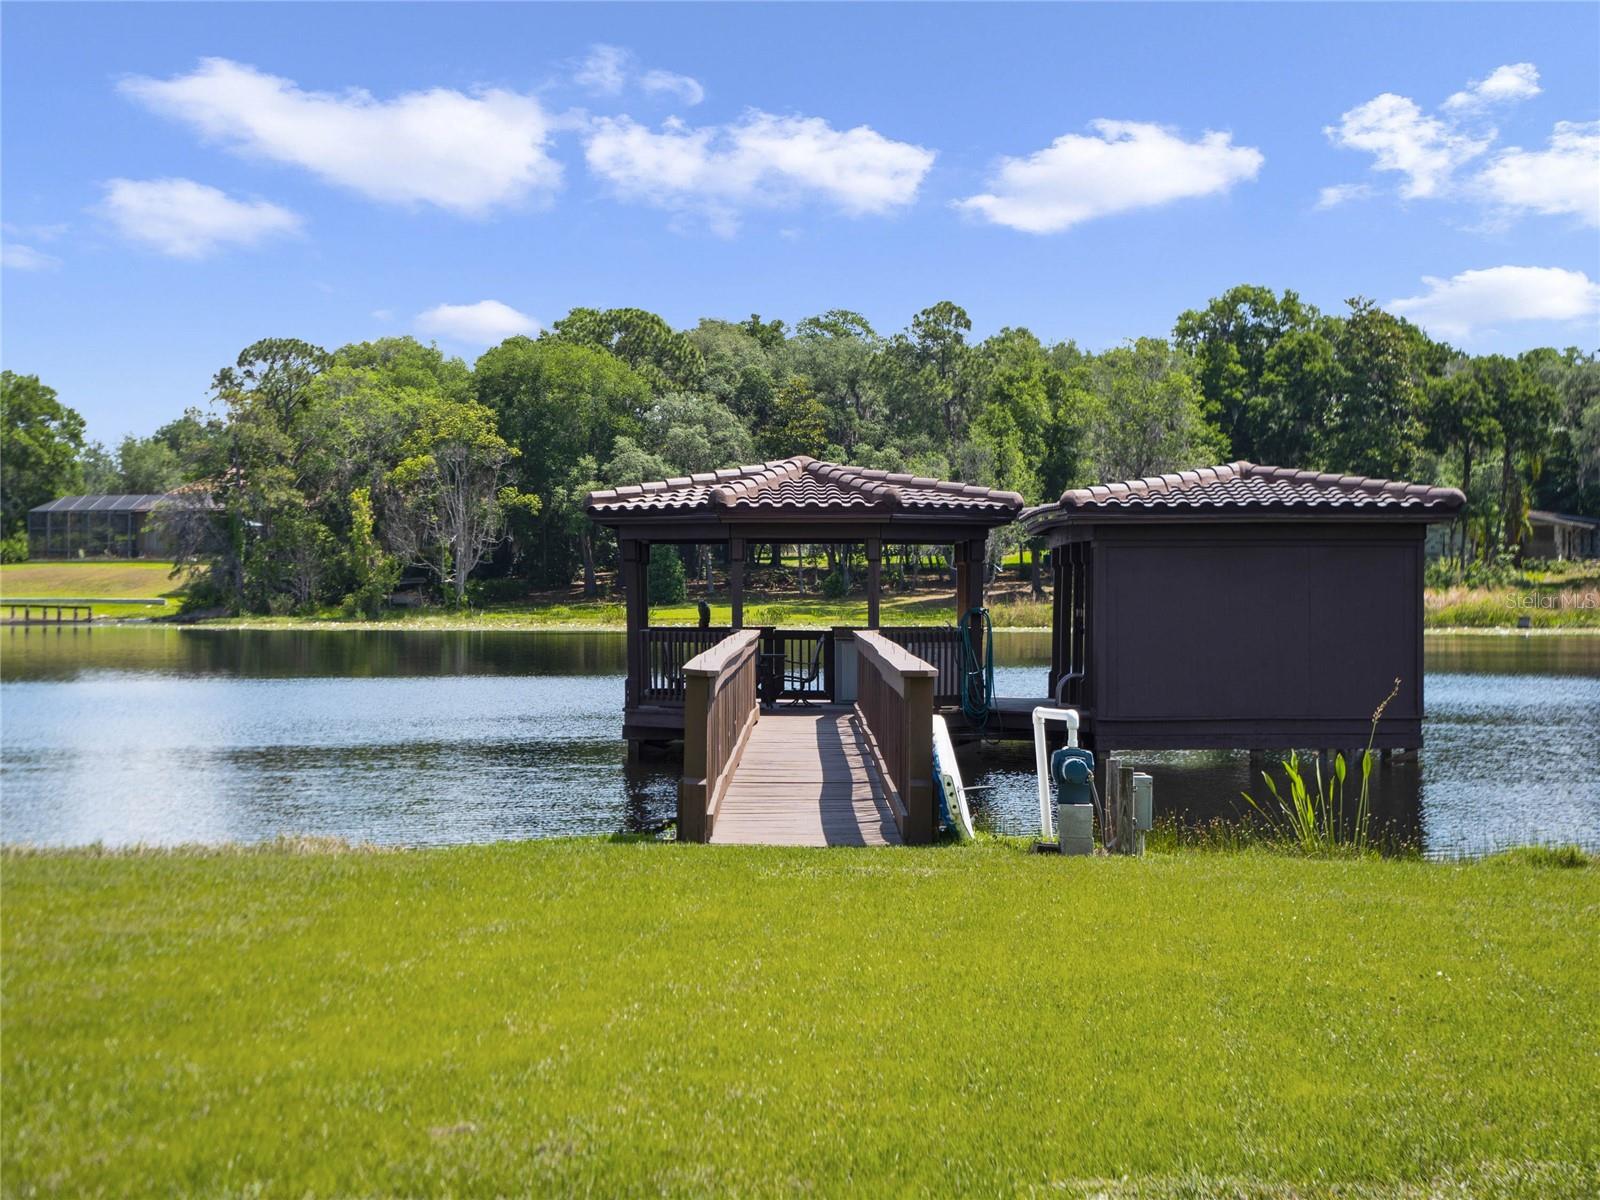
100, 526
1562, 535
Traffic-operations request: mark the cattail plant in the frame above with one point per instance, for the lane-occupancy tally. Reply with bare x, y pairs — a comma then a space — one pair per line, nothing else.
1311, 811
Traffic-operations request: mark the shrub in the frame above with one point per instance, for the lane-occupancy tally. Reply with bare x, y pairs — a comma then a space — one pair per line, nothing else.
14, 549
834, 587
667, 585
1441, 573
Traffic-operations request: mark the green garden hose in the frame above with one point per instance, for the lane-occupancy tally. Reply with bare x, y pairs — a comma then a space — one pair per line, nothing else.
977, 674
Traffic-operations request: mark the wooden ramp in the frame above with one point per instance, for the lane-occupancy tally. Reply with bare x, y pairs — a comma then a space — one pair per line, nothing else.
808, 777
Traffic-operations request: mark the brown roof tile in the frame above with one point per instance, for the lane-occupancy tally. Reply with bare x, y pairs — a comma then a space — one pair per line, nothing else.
1240, 488
802, 484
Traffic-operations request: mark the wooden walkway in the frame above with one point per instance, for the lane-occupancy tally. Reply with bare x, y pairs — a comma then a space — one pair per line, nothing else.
808, 777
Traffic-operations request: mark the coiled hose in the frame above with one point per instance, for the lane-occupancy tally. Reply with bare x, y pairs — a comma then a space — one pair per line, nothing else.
977, 671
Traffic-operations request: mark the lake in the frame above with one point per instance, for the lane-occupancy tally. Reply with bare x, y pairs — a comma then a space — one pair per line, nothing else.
126, 734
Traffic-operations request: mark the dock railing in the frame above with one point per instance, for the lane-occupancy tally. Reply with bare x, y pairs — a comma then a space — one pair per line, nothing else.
894, 696
720, 708
664, 651
940, 647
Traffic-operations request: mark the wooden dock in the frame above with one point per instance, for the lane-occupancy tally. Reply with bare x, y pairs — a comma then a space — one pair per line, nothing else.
808, 777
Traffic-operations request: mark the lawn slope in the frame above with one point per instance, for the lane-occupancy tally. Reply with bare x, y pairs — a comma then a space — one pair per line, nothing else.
644, 1019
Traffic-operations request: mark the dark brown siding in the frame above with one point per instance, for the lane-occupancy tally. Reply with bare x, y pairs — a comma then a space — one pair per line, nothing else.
1247, 636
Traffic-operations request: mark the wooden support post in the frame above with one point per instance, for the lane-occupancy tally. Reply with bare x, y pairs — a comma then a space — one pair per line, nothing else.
692, 822
921, 823
1058, 620
963, 580
636, 588
874, 549
1110, 804
736, 555
1129, 840
970, 586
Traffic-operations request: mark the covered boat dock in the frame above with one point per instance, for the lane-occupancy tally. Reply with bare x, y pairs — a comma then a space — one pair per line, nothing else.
708, 686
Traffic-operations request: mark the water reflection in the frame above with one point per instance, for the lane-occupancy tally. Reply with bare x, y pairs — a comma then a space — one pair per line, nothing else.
161, 734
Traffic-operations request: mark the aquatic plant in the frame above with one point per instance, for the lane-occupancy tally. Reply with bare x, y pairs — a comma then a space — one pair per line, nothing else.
1311, 811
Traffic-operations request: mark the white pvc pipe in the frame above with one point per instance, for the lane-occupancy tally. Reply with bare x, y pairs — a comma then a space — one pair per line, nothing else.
1041, 758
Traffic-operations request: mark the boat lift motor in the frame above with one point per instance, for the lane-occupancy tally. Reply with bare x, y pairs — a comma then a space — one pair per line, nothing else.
1072, 770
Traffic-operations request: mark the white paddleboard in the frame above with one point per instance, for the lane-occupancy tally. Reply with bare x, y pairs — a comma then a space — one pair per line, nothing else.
948, 772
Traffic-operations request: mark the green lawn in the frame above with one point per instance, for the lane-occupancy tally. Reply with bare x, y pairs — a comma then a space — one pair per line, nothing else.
925, 608
107, 579
647, 1019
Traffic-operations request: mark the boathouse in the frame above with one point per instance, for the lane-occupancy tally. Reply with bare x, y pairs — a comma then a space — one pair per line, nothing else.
1240, 607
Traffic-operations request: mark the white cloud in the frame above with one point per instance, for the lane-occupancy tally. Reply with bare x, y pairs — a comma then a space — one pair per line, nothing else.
1561, 180
670, 83
480, 324
1426, 150
186, 219
759, 160
467, 154
35, 233
605, 69
1343, 193
1475, 301
1125, 165
17, 257
1503, 85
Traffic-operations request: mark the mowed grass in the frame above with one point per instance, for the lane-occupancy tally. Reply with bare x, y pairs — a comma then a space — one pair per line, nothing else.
96, 579
651, 1019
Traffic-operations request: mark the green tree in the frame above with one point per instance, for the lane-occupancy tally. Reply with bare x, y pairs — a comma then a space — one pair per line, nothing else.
373, 571
1232, 341
769, 334
451, 492
1526, 408
275, 373
1145, 414
695, 433
557, 403
665, 357
40, 440
1285, 419
1372, 418
798, 425
1458, 418
836, 352
148, 466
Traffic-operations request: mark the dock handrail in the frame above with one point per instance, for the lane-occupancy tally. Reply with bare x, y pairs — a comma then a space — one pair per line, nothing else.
719, 709
894, 695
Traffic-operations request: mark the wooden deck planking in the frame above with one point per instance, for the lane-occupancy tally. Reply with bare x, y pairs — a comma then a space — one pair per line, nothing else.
807, 778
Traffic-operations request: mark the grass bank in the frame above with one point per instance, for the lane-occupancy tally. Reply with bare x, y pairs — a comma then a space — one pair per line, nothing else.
789, 612
109, 580
1554, 595
636, 1018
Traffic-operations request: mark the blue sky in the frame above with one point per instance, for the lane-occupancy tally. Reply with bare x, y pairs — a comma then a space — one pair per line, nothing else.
180, 180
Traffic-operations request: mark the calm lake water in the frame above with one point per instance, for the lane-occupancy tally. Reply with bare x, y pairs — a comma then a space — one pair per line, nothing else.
163, 735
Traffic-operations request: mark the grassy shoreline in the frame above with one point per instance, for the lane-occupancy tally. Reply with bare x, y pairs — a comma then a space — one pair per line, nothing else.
1564, 598
630, 1018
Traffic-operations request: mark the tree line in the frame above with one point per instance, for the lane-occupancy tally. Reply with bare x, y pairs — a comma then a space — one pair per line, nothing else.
321, 476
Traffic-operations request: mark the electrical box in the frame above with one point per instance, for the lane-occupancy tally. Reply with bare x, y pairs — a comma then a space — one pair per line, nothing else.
1144, 801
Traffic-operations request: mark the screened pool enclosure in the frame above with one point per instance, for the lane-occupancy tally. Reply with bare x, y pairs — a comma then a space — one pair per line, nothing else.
102, 526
